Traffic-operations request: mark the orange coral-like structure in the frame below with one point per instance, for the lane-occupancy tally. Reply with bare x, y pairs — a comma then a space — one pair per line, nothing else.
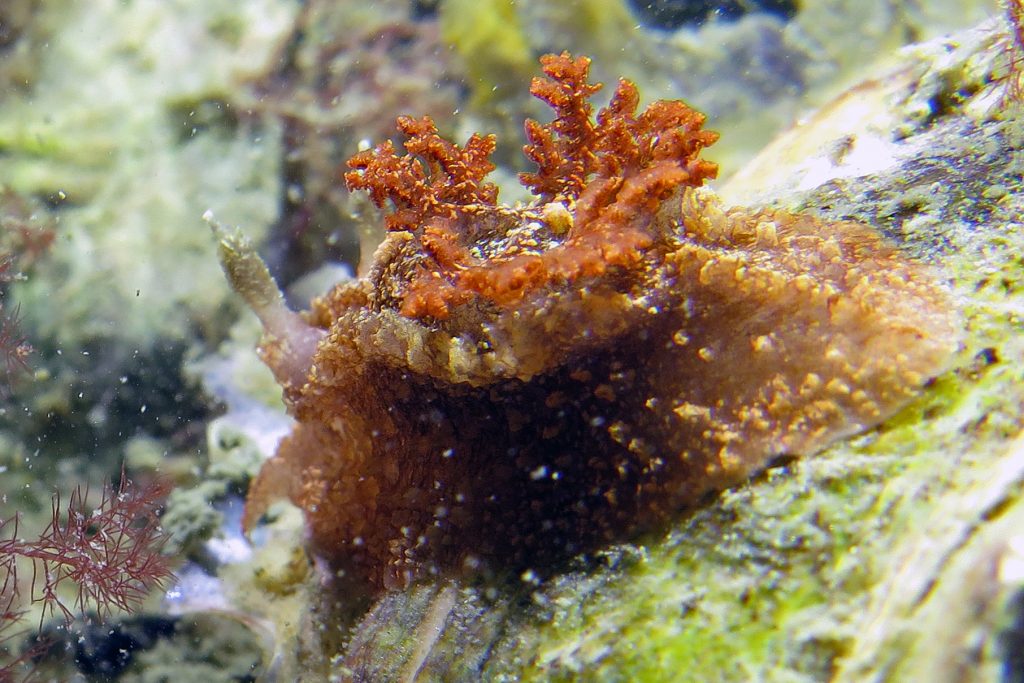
510, 385
607, 178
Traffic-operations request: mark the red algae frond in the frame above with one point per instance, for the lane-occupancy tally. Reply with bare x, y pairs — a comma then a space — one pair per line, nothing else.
1014, 46
107, 557
507, 386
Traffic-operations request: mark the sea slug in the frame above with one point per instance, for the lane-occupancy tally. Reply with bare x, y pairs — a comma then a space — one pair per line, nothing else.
506, 386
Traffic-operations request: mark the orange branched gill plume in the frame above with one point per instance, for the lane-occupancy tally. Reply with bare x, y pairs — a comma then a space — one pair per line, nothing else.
611, 174
508, 386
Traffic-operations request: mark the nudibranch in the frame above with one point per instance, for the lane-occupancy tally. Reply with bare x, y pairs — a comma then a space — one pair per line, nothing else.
507, 386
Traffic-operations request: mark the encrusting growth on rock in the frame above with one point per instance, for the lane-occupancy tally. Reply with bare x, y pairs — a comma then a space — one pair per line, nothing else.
507, 386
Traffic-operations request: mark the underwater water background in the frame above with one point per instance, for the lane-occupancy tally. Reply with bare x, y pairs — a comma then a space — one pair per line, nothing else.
894, 554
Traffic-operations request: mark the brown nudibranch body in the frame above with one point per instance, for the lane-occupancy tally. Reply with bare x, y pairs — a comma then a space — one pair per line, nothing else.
514, 385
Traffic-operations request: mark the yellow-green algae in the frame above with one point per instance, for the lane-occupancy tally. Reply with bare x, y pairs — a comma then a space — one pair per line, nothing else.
489, 37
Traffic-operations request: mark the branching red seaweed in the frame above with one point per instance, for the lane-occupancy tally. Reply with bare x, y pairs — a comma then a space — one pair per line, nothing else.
25, 235
88, 559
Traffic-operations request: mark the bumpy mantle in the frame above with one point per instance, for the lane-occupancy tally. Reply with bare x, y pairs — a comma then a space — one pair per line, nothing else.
507, 386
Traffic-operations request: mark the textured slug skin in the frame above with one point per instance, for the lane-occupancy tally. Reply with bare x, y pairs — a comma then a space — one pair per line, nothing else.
507, 386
